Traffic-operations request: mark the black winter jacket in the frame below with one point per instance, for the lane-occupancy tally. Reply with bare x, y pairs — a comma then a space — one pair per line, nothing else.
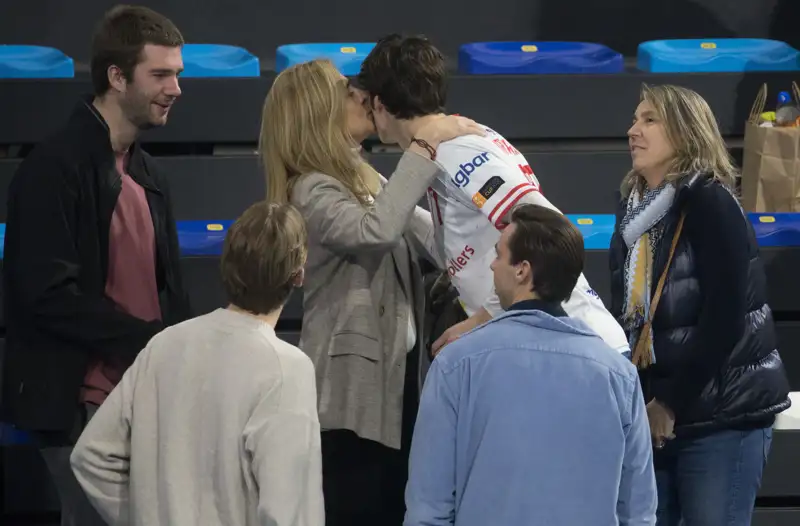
717, 365
60, 203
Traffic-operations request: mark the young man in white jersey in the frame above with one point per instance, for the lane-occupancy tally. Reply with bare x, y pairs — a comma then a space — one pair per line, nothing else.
405, 79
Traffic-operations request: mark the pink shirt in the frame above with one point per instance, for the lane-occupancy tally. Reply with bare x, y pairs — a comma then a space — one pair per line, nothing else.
131, 282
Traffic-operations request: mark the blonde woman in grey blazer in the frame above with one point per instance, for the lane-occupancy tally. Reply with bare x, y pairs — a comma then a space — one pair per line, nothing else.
363, 297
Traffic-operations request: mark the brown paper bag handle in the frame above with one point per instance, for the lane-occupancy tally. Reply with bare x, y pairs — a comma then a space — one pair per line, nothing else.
760, 103
641, 353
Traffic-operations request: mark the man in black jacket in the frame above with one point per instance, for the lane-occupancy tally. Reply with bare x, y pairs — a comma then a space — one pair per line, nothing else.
91, 250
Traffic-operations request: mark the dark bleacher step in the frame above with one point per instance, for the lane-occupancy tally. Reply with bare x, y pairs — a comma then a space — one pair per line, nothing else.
780, 483
204, 285
776, 516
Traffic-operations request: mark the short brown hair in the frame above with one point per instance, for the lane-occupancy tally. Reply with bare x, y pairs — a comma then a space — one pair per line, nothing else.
120, 38
264, 251
407, 74
551, 244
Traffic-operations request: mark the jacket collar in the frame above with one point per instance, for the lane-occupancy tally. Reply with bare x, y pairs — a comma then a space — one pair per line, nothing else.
687, 185
93, 127
543, 320
94, 132
553, 309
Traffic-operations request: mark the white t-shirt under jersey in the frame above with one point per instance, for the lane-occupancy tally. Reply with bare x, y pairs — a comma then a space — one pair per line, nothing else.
486, 177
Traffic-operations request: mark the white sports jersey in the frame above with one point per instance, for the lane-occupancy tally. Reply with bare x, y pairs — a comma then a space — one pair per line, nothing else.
486, 177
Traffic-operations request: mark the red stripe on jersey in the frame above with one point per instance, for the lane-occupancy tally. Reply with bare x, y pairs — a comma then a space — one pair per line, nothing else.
435, 198
508, 196
498, 222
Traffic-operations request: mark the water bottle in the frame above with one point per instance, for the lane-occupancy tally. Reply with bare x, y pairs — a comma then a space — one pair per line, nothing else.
787, 112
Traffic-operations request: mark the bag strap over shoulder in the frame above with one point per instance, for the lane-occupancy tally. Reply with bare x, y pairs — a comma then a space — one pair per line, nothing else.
663, 278
641, 353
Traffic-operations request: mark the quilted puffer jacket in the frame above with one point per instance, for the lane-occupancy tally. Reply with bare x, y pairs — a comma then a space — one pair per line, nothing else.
717, 364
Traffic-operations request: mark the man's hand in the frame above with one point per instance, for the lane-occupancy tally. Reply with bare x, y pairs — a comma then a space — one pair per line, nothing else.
662, 423
452, 334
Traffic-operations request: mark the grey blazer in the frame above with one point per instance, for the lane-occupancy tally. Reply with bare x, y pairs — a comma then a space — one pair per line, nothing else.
362, 284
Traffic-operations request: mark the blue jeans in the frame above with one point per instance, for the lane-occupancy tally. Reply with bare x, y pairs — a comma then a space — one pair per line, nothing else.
711, 480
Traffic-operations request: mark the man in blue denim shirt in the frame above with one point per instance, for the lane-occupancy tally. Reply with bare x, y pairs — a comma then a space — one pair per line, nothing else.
531, 419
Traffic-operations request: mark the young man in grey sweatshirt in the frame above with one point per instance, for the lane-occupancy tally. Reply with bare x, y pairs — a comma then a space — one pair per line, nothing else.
216, 421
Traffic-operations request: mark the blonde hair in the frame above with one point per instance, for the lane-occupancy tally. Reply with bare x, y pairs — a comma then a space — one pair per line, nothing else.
692, 131
304, 130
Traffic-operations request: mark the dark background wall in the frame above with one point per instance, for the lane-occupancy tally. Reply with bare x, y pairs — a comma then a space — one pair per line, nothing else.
571, 129
262, 25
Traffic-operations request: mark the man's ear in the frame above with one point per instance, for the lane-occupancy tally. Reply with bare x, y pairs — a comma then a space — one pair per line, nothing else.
524, 271
299, 277
116, 79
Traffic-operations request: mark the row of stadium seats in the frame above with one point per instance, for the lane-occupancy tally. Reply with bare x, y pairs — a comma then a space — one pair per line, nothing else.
205, 238
478, 58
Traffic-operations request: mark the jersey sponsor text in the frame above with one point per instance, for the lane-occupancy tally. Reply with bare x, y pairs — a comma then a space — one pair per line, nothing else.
457, 264
487, 190
461, 177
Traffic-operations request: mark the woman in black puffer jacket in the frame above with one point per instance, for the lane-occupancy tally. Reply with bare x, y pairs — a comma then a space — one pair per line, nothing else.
711, 373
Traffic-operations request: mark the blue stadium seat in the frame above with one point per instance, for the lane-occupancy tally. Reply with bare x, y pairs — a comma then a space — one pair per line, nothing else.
776, 230
347, 57
537, 58
205, 238
216, 60
196, 238
10, 436
772, 230
596, 229
34, 62
716, 55
202, 238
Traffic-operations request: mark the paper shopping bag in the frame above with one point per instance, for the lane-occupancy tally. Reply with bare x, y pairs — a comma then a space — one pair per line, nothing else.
771, 164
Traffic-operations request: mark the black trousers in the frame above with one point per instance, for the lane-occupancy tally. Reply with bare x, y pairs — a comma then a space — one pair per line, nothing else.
364, 481
56, 448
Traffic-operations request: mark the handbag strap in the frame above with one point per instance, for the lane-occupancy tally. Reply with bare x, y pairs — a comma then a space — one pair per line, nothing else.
641, 356
663, 278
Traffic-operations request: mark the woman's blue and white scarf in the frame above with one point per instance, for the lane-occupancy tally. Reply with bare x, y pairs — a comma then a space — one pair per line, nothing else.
641, 229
